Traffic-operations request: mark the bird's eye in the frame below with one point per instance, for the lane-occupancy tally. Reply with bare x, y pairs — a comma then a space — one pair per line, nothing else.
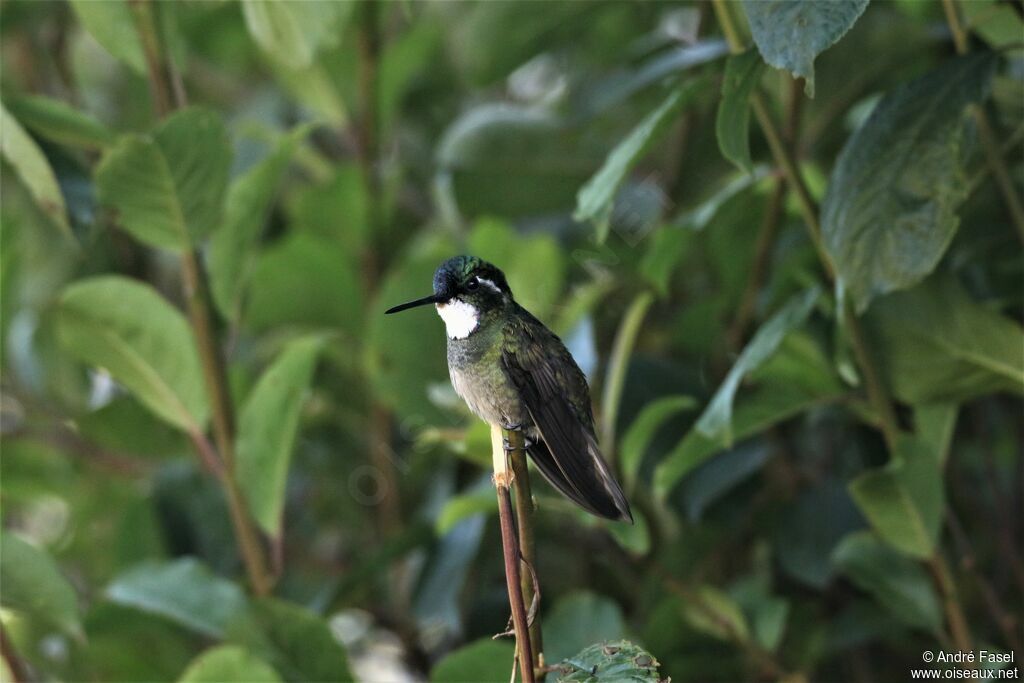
472, 283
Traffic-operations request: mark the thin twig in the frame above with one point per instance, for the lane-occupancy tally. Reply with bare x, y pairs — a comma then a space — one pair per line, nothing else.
986, 132
168, 94
527, 546
510, 548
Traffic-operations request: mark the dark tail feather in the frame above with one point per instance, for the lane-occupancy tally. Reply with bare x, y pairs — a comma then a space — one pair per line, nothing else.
585, 480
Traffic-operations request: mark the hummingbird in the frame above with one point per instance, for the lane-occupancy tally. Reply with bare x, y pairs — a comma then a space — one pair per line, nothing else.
515, 373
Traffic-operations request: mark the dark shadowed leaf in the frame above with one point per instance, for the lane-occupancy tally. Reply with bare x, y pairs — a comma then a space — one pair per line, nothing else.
228, 664
60, 122
936, 343
579, 619
248, 201
716, 420
23, 154
796, 379
126, 328
267, 426
184, 591
618, 660
482, 661
732, 125
34, 586
296, 642
903, 500
643, 428
167, 188
596, 198
791, 33
890, 209
897, 583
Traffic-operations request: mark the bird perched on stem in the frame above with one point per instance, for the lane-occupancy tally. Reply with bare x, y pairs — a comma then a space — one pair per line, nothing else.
515, 373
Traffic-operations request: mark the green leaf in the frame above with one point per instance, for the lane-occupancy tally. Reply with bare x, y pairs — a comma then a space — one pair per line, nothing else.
293, 32
934, 424
935, 343
112, 25
897, 583
578, 619
460, 507
296, 642
267, 426
228, 664
184, 591
791, 33
33, 585
890, 209
482, 661
596, 198
60, 122
129, 330
620, 660
715, 613
732, 125
282, 298
903, 500
797, 378
643, 428
509, 161
248, 202
168, 187
716, 420
23, 154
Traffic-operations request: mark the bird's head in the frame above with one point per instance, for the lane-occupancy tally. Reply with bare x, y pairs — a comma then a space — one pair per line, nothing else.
466, 289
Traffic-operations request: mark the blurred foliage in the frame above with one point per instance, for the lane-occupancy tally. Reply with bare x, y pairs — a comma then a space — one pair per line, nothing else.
820, 433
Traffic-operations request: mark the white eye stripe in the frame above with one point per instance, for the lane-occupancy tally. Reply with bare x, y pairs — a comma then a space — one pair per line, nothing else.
489, 283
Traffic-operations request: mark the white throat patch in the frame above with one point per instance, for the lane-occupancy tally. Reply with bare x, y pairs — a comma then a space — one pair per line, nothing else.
460, 318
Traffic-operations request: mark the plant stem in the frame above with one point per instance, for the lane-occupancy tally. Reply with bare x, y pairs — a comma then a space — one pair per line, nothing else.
986, 131
622, 349
510, 549
167, 93
527, 546
954, 615
16, 665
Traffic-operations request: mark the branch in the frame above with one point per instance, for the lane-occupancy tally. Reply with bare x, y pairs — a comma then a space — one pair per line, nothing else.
527, 547
510, 548
168, 94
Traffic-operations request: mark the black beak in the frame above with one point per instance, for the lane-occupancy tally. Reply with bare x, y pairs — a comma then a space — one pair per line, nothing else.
432, 299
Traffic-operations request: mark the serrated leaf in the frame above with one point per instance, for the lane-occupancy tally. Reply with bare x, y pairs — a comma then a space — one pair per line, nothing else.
732, 124
482, 661
60, 122
618, 660
596, 198
112, 25
935, 343
791, 33
890, 209
716, 420
229, 664
904, 500
267, 426
167, 188
184, 591
126, 328
28, 161
896, 582
33, 585
248, 202
643, 428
